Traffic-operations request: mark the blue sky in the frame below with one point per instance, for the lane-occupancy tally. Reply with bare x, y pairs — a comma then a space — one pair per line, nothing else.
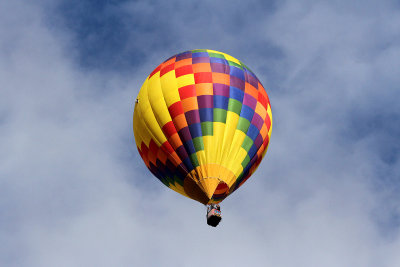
74, 191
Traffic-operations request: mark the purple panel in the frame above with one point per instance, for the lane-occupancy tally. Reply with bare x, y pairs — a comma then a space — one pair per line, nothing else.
251, 79
181, 151
257, 121
221, 89
250, 101
181, 169
200, 54
184, 56
237, 82
258, 142
253, 160
219, 67
200, 60
192, 116
184, 133
205, 101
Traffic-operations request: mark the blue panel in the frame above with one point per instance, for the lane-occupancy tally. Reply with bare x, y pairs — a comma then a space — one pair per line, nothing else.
247, 112
189, 147
252, 151
195, 130
200, 54
236, 93
218, 60
188, 164
237, 73
206, 114
252, 132
221, 102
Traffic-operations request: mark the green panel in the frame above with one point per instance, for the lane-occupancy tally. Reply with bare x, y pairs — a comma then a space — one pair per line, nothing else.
178, 180
199, 50
167, 181
211, 54
198, 143
207, 128
243, 124
247, 68
193, 159
219, 115
247, 143
245, 161
235, 106
234, 64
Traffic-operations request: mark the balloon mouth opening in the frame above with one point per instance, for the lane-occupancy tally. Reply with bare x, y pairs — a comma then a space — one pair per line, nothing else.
207, 190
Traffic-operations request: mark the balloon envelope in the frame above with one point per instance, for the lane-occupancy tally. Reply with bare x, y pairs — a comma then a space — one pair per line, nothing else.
202, 124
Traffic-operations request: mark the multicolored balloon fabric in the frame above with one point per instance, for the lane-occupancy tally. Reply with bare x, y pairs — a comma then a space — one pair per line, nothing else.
202, 124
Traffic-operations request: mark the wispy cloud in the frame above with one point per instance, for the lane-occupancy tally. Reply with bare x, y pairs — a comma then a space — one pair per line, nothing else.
75, 192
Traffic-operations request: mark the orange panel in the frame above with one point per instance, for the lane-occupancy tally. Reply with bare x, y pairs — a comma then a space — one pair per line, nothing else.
175, 141
221, 78
251, 90
201, 67
189, 103
180, 122
204, 89
183, 62
172, 60
260, 110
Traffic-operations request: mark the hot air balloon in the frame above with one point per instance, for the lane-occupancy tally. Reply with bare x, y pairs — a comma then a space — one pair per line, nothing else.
202, 124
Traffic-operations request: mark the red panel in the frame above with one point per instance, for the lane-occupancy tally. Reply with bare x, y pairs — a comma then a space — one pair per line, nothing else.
187, 91
175, 109
153, 147
166, 69
203, 77
144, 154
167, 147
266, 141
155, 71
263, 100
162, 156
183, 70
169, 129
268, 122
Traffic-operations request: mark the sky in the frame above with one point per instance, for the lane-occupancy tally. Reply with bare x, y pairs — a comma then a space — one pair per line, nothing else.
75, 192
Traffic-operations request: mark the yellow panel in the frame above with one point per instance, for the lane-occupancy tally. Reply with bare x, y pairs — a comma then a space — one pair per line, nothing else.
140, 129
169, 88
157, 101
178, 188
210, 149
141, 132
184, 80
237, 168
219, 129
209, 185
137, 128
231, 123
230, 58
235, 147
269, 112
147, 115
201, 156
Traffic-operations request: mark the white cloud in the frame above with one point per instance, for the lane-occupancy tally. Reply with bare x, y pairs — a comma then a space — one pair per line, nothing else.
75, 192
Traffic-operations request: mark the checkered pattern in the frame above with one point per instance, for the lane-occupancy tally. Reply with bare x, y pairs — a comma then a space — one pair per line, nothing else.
202, 114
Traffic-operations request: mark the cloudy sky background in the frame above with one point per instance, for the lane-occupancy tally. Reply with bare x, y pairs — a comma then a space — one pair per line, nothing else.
73, 188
